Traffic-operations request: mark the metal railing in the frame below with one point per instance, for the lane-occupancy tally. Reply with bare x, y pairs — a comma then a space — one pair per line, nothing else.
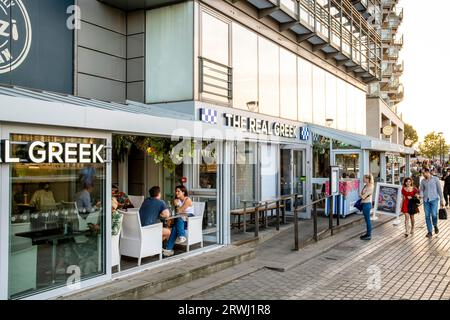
216, 79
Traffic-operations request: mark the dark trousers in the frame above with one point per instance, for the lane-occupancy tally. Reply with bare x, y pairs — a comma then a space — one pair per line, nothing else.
446, 195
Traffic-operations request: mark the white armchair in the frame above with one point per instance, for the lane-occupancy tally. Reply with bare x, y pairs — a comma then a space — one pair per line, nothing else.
194, 232
83, 223
136, 201
137, 241
115, 255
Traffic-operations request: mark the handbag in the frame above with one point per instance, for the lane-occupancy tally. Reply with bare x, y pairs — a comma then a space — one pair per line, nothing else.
358, 205
442, 214
413, 205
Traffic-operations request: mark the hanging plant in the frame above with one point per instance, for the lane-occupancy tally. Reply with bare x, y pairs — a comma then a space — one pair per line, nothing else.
122, 145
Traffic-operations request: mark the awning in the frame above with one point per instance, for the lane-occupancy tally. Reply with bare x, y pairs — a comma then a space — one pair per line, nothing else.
360, 141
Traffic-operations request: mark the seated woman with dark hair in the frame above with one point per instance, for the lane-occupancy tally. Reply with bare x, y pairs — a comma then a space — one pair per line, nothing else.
185, 208
122, 198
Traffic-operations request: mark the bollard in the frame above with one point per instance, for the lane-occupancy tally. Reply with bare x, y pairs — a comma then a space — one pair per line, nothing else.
331, 215
257, 221
278, 215
296, 229
338, 209
315, 222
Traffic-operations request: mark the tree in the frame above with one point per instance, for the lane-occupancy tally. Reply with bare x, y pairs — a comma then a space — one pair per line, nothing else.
432, 146
411, 133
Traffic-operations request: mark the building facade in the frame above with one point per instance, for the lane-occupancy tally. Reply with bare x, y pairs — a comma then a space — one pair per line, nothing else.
272, 92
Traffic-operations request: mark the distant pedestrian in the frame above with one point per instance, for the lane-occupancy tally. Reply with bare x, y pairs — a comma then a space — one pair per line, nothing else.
366, 201
409, 207
446, 179
431, 192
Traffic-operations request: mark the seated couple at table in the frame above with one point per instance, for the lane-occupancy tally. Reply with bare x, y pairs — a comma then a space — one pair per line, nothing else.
154, 208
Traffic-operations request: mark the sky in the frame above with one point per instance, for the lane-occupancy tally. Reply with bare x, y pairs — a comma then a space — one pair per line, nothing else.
426, 54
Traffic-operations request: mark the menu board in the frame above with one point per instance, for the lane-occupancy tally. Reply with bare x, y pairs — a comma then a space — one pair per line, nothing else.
388, 199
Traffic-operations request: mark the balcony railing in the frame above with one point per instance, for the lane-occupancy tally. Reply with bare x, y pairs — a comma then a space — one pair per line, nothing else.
216, 80
398, 41
399, 68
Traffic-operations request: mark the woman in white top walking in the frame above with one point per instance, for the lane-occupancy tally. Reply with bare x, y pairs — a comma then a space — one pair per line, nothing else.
185, 208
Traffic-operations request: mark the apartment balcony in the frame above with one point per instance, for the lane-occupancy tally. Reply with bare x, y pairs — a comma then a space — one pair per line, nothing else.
398, 95
399, 68
391, 54
387, 69
387, 36
394, 84
333, 27
398, 41
369, 9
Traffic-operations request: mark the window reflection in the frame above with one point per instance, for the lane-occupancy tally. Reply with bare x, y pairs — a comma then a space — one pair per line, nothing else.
269, 73
288, 85
57, 221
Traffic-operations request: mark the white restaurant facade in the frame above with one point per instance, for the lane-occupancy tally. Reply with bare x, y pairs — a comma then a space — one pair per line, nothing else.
188, 70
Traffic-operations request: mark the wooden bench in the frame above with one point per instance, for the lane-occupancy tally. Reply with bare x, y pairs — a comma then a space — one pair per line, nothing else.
264, 208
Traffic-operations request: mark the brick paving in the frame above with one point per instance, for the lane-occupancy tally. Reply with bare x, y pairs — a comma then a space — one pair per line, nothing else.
389, 266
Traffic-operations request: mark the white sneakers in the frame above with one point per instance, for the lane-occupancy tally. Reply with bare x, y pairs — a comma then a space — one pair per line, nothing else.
181, 240
167, 253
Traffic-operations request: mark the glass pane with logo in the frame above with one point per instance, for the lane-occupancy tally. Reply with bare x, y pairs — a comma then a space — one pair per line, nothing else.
57, 218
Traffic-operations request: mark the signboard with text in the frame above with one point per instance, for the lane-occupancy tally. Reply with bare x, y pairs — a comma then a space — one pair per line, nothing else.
37, 44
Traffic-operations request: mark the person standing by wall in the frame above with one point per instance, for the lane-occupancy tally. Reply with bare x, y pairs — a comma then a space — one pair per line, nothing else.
431, 192
446, 179
366, 201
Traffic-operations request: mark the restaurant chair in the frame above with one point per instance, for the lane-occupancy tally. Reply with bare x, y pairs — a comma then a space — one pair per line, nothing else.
137, 241
115, 259
136, 201
194, 231
83, 223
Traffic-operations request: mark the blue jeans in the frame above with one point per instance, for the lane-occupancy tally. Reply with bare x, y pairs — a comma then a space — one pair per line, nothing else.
431, 211
366, 212
178, 230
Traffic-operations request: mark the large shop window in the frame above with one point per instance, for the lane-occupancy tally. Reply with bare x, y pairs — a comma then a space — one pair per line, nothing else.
245, 173
57, 228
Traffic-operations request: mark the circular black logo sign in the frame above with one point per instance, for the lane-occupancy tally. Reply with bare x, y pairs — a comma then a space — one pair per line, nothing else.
15, 34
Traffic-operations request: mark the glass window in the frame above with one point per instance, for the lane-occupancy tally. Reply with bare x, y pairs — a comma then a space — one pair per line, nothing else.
245, 68
269, 77
319, 114
341, 105
244, 173
208, 166
321, 156
57, 220
289, 4
331, 98
305, 91
169, 53
349, 165
288, 85
214, 39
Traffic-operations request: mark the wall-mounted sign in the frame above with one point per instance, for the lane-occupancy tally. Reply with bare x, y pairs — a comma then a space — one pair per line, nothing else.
334, 180
36, 44
209, 115
304, 133
15, 31
259, 126
387, 130
53, 152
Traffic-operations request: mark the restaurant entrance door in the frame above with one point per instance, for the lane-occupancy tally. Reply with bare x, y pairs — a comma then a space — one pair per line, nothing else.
293, 172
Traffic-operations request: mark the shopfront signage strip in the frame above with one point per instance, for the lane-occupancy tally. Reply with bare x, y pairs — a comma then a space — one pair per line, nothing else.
259, 126
54, 152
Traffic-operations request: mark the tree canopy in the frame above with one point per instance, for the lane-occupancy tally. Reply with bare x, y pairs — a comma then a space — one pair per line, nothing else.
433, 146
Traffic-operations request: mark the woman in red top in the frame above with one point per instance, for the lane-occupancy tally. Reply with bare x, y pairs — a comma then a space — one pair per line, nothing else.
408, 192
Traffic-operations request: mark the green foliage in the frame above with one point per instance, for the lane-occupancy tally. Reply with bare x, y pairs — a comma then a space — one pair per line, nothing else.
433, 146
162, 150
411, 133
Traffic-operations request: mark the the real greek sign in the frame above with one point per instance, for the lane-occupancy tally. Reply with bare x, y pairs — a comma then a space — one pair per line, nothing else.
54, 152
260, 126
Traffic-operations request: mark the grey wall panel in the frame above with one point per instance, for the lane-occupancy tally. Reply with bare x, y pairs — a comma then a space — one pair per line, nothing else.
103, 15
135, 46
135, 91
91, 36
102, 65
136, 22
135, 70
101, 89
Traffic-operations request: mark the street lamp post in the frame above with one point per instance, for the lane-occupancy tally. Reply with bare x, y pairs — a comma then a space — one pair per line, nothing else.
441, 149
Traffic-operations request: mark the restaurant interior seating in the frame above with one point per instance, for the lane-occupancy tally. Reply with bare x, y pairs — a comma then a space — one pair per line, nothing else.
83, 222
137, 241
136, 201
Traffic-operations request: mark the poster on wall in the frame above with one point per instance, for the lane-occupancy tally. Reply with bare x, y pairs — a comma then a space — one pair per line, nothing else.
37, 43
388, 199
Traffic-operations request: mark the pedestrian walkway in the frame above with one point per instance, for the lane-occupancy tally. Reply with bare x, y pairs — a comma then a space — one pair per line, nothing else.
388, 267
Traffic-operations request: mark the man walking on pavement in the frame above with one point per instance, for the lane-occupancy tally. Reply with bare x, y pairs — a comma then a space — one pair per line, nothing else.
431, 192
